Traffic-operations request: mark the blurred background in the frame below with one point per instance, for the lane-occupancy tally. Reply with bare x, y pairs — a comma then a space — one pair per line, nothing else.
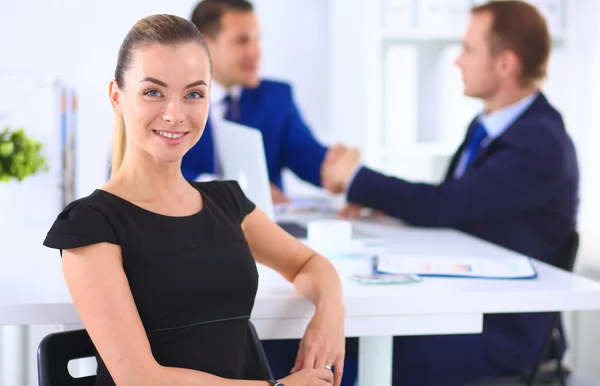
376, 74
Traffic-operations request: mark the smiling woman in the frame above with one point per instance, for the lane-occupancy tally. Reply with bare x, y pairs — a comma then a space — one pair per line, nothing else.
156, 94
144, 257
156, 49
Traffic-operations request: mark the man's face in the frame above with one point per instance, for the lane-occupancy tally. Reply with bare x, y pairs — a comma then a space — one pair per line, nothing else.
478, 66
236, 50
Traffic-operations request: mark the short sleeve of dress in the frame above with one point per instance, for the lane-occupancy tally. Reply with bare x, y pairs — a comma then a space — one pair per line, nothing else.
79, 225
242, 203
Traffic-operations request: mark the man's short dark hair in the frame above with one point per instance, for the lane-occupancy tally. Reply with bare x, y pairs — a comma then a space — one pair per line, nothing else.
208, 13
520, 27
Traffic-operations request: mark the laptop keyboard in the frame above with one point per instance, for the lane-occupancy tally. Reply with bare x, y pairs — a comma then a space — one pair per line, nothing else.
300, 232
294, 229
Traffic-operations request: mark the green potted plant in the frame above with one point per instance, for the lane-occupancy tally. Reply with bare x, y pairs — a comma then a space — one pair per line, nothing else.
20, 155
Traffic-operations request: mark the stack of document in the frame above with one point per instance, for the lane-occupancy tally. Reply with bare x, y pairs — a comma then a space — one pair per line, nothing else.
517, 267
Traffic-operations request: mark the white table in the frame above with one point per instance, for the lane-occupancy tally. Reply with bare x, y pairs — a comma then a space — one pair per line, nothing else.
439, 305
32, 292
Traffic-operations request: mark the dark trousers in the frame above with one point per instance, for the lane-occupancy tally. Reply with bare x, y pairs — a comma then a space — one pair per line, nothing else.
282, 356
450, 360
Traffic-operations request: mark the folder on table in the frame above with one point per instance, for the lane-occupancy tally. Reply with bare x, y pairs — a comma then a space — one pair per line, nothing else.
514, 267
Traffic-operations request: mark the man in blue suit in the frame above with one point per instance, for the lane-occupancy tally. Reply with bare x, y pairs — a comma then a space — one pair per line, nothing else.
232, 32
513, 181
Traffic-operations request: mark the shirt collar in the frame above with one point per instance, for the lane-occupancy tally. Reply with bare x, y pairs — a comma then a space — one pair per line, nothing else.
497, 122
218, 92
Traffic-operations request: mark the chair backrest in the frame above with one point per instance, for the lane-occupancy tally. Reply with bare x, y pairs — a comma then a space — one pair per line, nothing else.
553, 344
57, 349
54, 353
569, 252
256, 365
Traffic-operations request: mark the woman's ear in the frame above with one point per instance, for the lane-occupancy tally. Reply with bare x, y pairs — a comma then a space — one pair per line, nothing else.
114, 94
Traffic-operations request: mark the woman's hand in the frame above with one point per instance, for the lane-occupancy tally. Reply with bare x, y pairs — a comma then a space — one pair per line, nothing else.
323, 344
309, 377
315, 278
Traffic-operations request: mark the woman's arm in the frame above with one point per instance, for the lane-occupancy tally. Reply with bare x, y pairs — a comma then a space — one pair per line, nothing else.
313, 275
100, 291
315, 278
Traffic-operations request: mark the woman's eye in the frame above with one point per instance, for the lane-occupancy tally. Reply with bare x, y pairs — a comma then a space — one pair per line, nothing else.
153, 93
194, 95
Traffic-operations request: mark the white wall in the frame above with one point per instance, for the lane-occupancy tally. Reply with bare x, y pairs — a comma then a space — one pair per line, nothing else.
296, 48
77, 41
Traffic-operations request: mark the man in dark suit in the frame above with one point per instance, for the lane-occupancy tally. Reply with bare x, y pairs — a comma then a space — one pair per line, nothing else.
232, 32
513, 182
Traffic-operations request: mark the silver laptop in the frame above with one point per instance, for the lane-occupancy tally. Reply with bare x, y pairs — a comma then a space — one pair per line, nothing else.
243, 159
242, 154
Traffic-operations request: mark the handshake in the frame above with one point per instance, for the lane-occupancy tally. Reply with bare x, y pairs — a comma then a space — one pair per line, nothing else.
339, 167
337, 170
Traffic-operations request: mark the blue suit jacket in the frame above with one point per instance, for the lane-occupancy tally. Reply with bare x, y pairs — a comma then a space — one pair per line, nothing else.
288, 141
521, 192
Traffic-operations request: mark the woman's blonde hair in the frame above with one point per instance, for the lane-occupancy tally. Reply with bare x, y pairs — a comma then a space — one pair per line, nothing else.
155, 29
118, 146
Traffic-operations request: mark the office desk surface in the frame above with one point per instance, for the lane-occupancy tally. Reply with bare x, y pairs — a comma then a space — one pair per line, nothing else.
32, 290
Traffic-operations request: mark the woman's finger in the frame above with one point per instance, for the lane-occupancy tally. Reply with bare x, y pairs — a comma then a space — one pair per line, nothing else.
299, 364
321, 360
325, 375
338, 368
309, 351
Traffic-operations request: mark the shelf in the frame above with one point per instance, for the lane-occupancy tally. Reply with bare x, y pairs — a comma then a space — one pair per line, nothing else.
447, 20
425, 35
414, 34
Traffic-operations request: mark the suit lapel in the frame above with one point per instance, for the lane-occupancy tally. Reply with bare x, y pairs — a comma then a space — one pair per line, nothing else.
536, 104
461, 148
483, 152
245, 106
539, 99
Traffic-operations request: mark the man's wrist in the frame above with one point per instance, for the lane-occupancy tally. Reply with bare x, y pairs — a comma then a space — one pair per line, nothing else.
351, 177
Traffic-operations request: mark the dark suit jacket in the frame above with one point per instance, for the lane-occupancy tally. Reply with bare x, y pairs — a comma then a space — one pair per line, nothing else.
521, 192
288, 141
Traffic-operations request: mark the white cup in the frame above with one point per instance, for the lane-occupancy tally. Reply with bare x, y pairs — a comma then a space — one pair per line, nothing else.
330, 237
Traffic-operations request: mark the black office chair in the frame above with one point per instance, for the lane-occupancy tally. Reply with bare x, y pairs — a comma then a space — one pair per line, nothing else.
256, 366
551, 348
57, 349
54, 353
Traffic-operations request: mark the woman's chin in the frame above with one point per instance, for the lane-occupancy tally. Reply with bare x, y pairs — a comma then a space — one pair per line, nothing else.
169, 158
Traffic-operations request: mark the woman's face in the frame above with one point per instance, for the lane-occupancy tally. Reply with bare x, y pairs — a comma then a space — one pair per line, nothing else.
165, 99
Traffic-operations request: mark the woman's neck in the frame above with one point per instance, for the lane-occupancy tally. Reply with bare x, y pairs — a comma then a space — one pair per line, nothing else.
147, 179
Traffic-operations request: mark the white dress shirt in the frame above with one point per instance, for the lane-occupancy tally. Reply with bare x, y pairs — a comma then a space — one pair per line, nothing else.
495, 125
218, 109
217, 100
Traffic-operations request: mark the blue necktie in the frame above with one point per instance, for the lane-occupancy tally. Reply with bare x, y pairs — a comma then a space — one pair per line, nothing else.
474, 145
231, 109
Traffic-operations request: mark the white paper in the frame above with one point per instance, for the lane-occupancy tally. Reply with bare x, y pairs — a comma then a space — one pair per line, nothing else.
501, 268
